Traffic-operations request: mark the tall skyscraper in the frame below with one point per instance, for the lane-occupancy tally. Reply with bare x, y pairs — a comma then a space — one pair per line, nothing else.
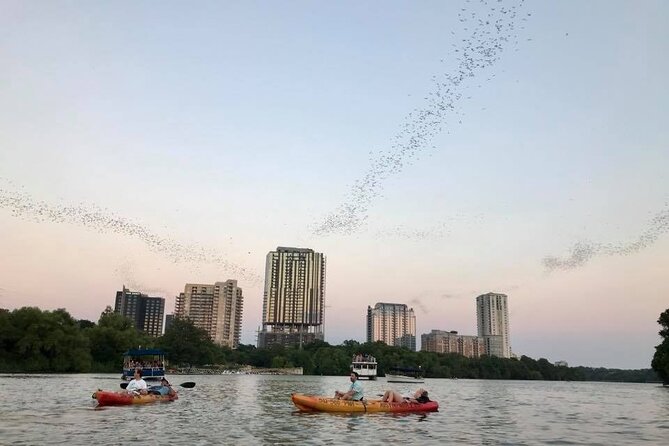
393, 324
440, 341
216, 308
492, 315
146, 312
294, 297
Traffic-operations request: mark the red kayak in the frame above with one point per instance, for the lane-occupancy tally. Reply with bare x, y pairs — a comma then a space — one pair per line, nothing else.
123, 399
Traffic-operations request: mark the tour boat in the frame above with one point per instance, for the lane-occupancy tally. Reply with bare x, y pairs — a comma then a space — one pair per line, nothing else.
365, 366
312, 403
150, 361
405, 375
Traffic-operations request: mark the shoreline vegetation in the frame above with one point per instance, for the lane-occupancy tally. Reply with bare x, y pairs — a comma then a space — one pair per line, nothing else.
37, 341
244, 370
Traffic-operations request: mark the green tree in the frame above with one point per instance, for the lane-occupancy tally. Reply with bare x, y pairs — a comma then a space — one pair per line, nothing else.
111, 337
660, 361
185, 344
8, 337
33, 340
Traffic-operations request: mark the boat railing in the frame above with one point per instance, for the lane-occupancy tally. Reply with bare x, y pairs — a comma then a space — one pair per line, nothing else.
363, 358
147, 372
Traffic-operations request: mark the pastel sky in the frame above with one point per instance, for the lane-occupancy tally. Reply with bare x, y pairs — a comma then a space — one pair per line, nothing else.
153, 144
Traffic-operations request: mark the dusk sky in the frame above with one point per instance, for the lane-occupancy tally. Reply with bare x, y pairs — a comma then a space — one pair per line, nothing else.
431, 155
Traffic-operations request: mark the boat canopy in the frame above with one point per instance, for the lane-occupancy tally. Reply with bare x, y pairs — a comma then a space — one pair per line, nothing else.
148, 352
151, 361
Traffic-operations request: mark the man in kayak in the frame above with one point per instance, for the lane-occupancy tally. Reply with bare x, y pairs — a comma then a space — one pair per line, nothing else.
354, 392
392, 396
137, 386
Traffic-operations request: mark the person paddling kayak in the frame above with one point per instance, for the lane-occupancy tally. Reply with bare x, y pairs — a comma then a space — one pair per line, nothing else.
354, 392
137, 386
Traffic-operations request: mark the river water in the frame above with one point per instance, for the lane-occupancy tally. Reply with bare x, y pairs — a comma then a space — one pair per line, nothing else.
256, 409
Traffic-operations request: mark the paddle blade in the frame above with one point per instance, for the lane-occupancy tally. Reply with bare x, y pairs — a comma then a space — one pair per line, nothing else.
124, 385
188, 385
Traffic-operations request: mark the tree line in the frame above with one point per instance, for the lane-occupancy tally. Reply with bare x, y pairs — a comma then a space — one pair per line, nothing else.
32, 340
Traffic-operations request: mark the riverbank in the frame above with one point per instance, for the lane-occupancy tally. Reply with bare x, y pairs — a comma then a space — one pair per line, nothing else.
248, 370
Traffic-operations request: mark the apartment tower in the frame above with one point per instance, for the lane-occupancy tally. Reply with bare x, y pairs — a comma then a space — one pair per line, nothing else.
439, 341
294, 297
492, 316
216, 308
393, 324
146, 312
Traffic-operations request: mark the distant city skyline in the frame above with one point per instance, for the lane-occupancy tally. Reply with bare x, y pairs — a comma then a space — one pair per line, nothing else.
391, 323
434, 151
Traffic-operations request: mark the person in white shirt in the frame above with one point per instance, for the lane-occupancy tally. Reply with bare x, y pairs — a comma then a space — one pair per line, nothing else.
137, 386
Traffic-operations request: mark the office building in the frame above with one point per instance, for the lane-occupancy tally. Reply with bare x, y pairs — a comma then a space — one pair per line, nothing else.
492, 316
439, 341
393, 324
216, 308
145, 312
294, 297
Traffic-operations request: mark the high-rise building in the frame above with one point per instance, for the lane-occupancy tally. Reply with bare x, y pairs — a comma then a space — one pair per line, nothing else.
216, 308
440, 341
146, 312
294, 297
393, 324
492, 315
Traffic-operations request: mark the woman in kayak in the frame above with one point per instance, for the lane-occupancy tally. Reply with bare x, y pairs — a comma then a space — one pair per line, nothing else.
392, 396
165, 388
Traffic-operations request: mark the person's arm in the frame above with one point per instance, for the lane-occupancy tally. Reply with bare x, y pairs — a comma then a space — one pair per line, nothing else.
355, 387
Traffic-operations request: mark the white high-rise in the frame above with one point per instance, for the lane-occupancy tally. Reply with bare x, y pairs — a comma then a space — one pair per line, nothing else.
492, 316
393, 324
216, 308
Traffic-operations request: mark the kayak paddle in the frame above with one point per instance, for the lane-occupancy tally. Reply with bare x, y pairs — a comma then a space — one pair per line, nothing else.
186, 385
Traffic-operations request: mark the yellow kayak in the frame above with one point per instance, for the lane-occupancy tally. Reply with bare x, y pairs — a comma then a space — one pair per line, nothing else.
312, 403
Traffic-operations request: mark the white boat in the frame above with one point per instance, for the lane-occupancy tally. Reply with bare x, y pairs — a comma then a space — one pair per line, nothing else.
405, 375
365, 366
